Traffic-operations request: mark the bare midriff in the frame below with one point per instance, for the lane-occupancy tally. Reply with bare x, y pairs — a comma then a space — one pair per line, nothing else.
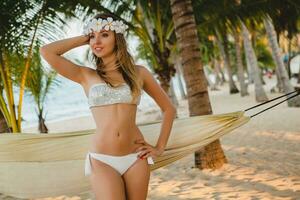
116, 129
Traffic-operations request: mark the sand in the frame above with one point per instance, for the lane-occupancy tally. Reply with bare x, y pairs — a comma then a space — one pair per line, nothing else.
263, 156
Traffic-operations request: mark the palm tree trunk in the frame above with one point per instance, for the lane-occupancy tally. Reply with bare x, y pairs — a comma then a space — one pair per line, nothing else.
249, 71
261, 76
298, 76
212, 156
240, 66
276, 54
8, 88
210, 83
165, 83
26, 69
3, 124
260, 94
222, 71
179, 74
42, 126
225, 55
289, 57
279, 81
172, 93
220, 78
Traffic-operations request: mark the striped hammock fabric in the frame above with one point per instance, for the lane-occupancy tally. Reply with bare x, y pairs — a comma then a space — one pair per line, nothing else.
36, 165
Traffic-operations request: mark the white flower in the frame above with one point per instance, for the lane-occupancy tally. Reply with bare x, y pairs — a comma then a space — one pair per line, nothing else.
96, 25
113, 26
107, 23
121, 27
118, 25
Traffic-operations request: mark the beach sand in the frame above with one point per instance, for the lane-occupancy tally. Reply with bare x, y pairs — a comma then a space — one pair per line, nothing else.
263, 156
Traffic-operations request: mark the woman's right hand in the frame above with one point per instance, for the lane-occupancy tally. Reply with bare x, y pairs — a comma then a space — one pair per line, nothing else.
87, 39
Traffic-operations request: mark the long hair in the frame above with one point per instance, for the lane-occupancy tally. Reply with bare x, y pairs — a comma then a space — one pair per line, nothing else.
124, 62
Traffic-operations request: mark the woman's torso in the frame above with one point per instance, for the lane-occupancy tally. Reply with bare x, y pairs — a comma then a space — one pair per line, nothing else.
116, 129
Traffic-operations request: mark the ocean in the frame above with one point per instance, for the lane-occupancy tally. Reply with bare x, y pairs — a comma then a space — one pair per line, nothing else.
68, 100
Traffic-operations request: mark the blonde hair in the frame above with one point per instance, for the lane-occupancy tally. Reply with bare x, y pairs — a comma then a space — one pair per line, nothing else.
124, 63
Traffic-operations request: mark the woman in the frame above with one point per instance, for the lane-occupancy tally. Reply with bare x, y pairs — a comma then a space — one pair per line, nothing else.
119, 157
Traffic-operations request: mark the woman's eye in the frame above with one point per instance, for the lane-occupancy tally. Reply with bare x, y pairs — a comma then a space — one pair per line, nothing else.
92, 36
104, 35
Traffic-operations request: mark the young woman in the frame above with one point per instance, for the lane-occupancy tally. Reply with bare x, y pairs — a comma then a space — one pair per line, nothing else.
119, 157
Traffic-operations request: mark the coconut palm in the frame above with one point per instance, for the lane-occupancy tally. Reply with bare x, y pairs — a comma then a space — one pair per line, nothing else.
151, 22
222, 43
3, 124
239, 61
260, 94
198, 99
22, 24
282, 73
39, 84
10, 37
219, 19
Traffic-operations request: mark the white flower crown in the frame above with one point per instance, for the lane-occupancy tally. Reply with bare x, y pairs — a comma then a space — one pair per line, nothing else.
108, 24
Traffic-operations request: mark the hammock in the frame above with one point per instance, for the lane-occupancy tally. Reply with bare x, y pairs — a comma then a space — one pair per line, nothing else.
43, 165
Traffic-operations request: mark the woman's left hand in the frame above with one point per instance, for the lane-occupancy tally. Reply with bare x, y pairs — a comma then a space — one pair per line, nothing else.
147, 150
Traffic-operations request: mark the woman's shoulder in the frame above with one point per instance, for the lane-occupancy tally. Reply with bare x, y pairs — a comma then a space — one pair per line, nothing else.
140, 73
141, 69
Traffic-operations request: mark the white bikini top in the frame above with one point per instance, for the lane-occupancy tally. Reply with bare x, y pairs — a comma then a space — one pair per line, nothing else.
103, 94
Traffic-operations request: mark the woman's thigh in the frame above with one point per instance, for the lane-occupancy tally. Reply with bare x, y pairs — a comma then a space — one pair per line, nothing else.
106, 182
136, 180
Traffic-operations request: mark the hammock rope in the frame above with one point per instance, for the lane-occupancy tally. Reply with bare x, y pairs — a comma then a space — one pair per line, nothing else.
269, 101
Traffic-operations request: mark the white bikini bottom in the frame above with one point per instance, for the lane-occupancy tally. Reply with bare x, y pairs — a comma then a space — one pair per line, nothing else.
119, 163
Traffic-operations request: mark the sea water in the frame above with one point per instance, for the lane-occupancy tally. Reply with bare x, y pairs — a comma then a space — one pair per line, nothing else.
68, 100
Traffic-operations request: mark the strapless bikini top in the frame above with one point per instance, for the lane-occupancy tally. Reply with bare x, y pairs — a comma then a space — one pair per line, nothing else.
103, 94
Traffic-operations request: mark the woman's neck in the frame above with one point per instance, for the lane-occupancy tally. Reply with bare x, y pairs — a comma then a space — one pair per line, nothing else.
110, 62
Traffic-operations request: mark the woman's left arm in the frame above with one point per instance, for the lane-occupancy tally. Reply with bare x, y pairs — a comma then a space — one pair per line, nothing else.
152, 88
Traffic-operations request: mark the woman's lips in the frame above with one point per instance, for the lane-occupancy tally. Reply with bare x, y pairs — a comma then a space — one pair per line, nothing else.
98, 49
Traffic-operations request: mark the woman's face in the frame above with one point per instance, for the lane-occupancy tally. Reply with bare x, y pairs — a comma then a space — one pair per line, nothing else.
102, 43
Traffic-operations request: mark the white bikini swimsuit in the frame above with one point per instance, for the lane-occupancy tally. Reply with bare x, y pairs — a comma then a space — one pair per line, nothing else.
101, 94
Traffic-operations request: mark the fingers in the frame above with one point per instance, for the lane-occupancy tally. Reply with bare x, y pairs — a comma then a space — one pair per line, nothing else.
142, 148
144, 154
140, 141
145, 150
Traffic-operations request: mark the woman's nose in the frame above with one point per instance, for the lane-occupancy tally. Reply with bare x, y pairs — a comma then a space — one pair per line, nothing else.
97, 39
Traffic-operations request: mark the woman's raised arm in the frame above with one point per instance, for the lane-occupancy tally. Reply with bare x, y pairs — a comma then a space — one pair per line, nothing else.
52, 54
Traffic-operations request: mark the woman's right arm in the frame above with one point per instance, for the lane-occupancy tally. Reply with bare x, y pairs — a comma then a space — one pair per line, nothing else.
52, 54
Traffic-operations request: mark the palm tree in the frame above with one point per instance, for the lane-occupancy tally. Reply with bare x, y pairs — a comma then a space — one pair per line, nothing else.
151, 22
39, 84
156, 31
22, 24
282, 73
3, 124
260, 94
198, 99
179, 75
219, 18
239, 61
10, 37
222, 43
